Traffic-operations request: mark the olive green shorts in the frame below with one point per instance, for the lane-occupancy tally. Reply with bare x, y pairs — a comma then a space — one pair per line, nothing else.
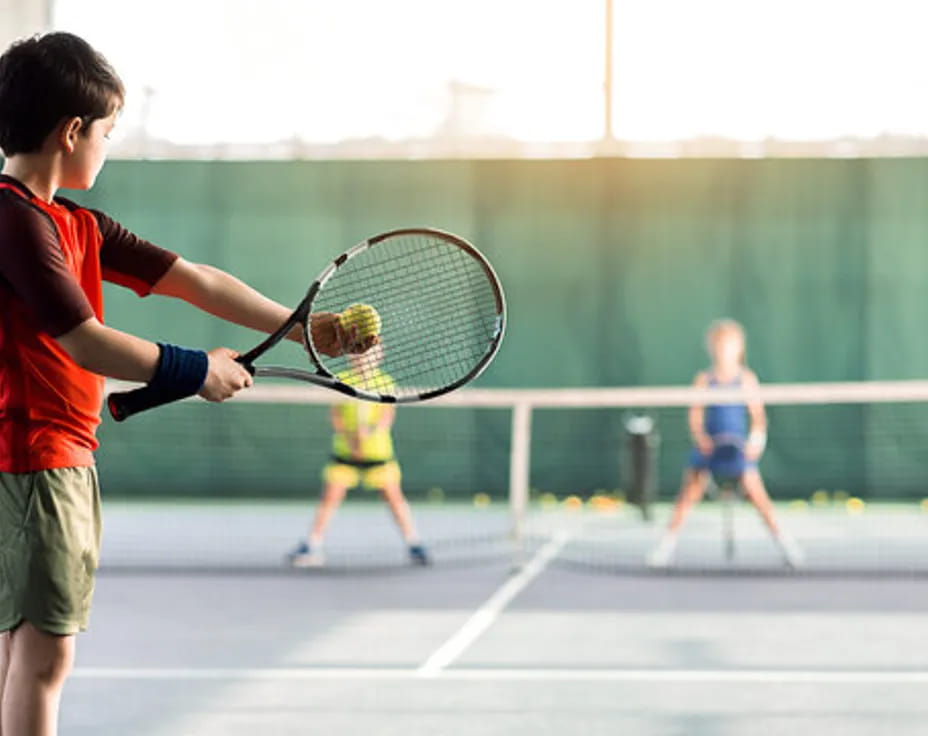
49, 548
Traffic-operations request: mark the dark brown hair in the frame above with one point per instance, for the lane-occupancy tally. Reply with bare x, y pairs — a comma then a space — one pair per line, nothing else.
47, 79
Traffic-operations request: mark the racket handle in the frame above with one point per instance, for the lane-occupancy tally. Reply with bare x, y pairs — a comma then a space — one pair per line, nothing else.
123, 404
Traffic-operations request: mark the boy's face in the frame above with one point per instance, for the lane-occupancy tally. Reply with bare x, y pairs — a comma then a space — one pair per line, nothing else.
727, 347
88, 152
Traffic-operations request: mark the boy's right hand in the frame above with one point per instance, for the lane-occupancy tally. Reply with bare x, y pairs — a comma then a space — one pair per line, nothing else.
225, 377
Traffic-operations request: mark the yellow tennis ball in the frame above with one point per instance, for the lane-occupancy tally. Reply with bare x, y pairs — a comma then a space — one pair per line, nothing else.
363, 317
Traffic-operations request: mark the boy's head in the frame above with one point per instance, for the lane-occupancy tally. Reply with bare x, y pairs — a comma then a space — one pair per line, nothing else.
725, 342
54, 85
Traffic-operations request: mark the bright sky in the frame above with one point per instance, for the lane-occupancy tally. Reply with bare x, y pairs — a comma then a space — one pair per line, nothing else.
241, 71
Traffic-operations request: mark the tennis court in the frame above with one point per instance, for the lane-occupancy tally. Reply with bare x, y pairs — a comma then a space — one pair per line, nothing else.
477, 649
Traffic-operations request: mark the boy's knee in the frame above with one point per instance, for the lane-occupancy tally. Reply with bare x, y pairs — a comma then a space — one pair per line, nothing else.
46, 658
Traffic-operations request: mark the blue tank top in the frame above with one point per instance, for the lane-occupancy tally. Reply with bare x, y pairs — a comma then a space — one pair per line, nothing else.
726, 420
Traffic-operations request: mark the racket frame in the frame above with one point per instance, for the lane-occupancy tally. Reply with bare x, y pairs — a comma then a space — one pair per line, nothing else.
324, 377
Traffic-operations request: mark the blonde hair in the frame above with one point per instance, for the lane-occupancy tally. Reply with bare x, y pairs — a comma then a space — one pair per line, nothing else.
725, 326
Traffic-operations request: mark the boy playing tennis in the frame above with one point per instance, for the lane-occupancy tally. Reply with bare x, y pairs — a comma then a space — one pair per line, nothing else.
728, 440
58, 103
362, 455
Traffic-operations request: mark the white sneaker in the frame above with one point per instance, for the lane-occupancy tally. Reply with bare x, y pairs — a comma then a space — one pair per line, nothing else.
662, 555
303, 555
792, 552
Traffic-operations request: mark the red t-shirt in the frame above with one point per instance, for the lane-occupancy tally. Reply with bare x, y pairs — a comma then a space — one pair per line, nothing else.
53, 258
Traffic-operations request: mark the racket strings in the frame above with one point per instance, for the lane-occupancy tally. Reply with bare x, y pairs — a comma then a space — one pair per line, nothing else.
438, 308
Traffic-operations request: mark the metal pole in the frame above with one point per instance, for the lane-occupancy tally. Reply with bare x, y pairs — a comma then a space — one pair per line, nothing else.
608, 135
519, 463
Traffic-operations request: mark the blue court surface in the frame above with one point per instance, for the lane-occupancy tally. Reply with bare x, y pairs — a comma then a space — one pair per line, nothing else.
479, 649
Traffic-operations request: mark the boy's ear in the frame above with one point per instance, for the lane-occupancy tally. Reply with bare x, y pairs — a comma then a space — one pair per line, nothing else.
68, 132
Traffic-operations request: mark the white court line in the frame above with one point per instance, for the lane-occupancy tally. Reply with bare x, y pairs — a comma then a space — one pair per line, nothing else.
484, 616
850, 677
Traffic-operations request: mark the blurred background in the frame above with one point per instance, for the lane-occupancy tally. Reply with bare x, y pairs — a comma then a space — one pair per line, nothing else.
634, 169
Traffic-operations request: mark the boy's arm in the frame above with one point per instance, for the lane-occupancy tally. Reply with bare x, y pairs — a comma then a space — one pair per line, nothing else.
108, 352
697, 420
231, 299
387, 415
757, 436
223, 296
137, 264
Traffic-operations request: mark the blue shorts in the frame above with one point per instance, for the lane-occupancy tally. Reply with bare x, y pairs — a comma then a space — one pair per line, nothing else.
727, 462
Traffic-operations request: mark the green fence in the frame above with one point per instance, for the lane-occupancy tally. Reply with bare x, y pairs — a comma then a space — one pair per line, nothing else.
612, 270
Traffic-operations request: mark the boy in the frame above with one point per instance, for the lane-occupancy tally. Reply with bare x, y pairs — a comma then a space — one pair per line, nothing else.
58, 103
362, 455
729, 440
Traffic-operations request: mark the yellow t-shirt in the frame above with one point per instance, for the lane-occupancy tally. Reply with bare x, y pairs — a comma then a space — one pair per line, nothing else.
377, 444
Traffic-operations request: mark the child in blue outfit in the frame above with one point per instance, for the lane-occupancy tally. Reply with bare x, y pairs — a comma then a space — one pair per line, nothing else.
728, 440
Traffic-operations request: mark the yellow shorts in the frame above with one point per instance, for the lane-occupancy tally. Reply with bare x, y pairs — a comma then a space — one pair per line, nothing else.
373, 478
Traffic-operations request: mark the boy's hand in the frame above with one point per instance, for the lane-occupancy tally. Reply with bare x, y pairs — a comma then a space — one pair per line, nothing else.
330, 338
225, 377
705, 445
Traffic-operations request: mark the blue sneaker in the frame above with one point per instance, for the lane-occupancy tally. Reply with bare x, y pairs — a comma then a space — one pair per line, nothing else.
305, 556
418, 555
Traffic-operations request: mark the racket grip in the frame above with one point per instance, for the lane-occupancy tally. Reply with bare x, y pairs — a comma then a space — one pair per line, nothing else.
123, 404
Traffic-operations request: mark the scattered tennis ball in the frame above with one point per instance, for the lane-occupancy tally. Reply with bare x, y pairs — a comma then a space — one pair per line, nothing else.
924, 505
855, 506
481, 500
798, 504
363, 318
547, 500
840, 496
435, 495
820, 498
603, 504
573, 503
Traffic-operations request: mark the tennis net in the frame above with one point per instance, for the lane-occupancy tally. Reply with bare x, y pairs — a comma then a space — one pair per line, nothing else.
845, 465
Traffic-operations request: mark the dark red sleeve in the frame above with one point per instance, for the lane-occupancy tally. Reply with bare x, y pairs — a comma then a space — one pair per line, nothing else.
33, 266
128, 260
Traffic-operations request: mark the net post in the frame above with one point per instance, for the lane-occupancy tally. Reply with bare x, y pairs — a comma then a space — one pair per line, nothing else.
519, 463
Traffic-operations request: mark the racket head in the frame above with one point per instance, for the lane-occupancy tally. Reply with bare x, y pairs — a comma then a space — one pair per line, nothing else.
435, 302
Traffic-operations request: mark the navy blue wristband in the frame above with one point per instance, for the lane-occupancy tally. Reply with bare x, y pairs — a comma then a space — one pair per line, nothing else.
181, 372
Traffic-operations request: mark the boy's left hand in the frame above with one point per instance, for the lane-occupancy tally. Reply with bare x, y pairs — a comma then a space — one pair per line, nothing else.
752, 452
330, 338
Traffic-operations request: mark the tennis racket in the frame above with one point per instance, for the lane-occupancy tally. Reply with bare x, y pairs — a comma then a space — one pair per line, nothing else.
420, 312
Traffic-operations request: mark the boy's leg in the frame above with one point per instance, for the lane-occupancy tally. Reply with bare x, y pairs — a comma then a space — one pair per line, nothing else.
393, 494
38, 665
691, 492
332, 497
4, 666
757, 494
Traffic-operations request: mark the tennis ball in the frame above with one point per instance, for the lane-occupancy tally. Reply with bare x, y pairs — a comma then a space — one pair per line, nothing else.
573, 503
602, 503
481, 500
855, 506
924, 505
362, 317
548, 500
820, 498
